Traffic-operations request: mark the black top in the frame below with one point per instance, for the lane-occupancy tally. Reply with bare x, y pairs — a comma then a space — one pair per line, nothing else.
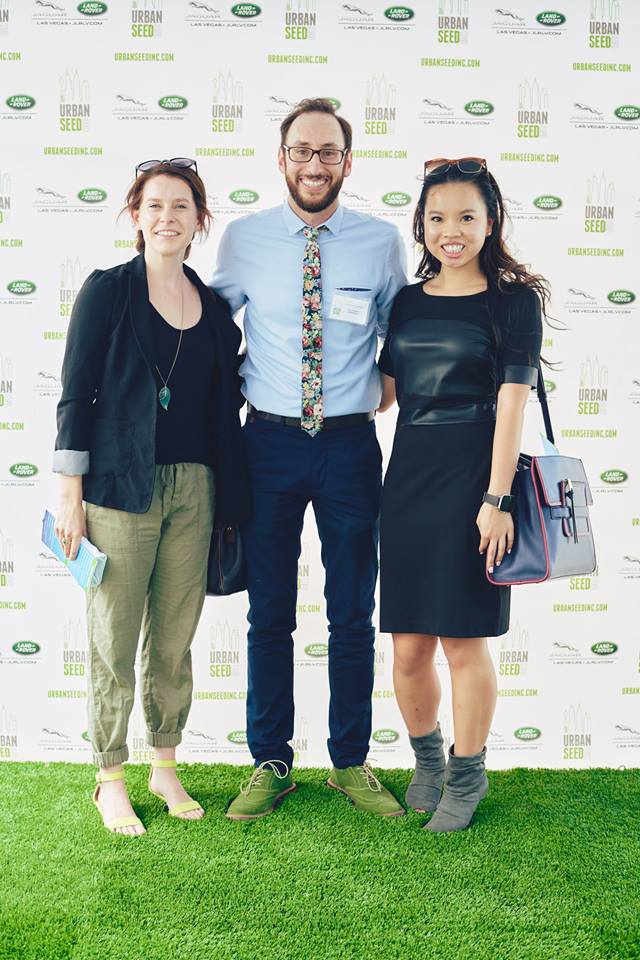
443, 350
184, 431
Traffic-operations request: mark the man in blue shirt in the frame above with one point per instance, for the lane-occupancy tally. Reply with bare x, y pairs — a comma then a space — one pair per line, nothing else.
317, 281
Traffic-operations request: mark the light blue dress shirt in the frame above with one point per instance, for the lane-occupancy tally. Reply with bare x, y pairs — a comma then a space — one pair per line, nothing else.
260, 266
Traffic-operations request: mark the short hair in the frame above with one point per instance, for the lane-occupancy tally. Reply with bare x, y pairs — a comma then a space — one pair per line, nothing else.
316, 105
198, 191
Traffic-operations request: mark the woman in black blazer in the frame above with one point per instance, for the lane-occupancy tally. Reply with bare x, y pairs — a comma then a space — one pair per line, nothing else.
149, 437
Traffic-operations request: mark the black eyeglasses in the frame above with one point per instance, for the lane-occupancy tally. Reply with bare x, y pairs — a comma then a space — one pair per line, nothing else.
468, 165
328, 155
183, 162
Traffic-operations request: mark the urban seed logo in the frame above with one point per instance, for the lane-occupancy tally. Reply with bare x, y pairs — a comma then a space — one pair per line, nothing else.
479, 108
628, 112
172, 103
72, 273
237, 736
604, 23
21, 288
594, 388
26, 648
614, 476
399, 13
604, 648
75, 110
6, 380
380, 106
621, 296
527, 733
547, 202
90, 8
146, 18
224, 650
514, 653
243, 196
20, 101
7, 565
550, 18
23, 470
385, 735
246, 10
300, 20
4, 17
317, 650
396, 199
92, 195
453, 21
227, 108
599, 209
533, 110
576, 736
5, 198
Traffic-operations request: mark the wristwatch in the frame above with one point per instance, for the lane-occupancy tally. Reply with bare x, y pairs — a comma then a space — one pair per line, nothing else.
505, 502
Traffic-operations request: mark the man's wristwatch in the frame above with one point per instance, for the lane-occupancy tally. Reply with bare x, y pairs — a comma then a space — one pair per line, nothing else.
505, 502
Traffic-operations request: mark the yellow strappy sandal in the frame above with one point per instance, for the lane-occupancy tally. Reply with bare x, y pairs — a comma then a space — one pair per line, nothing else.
177, 808
113, 825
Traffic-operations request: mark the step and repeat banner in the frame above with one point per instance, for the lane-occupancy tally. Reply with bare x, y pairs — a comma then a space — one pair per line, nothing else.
550, 97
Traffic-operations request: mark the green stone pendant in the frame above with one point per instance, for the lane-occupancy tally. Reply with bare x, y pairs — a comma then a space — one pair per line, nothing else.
164, 397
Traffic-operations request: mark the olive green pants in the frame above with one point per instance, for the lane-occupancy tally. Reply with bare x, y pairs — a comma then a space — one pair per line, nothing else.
153, 586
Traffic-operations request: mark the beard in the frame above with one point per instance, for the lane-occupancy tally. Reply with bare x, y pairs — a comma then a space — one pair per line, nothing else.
319, 204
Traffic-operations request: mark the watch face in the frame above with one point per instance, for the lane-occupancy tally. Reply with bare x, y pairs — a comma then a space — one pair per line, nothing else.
507, 503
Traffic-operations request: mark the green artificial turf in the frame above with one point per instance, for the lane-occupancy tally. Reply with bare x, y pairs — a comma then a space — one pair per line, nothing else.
550, 870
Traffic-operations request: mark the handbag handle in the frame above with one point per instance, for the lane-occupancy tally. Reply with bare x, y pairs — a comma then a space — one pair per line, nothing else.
541, 390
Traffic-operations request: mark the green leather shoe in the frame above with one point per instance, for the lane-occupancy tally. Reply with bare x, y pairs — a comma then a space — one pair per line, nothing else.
365, 791
262, 792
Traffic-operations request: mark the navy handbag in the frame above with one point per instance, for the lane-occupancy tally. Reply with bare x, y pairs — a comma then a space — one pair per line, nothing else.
553, 534
227, 566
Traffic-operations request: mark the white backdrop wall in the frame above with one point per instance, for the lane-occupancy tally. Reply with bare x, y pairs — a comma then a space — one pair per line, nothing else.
551, 98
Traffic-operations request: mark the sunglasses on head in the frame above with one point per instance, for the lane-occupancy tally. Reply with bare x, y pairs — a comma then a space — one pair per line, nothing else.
182, 162
468, 165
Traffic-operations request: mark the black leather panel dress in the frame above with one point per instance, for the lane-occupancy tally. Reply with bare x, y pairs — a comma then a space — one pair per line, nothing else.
448, 362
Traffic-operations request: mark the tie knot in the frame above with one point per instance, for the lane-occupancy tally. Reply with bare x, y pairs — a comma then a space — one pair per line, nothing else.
311, 233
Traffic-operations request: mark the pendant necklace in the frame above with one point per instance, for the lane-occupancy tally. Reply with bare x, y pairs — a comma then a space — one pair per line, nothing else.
164, 394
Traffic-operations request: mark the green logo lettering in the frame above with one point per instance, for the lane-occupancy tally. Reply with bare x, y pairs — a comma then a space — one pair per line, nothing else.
243, 196
246, 10
317, 650
237, 736
396, 199
385, 736
604, 648
26, 648
20, 101
547, 202
91, 8
172, 103
21, 288
549, 18
527, 733
479, 108
614, 476
23, 470
92, 195
399, 13
621, 296
627, 112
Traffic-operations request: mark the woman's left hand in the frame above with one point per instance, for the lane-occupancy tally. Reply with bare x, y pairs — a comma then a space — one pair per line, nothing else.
496, 534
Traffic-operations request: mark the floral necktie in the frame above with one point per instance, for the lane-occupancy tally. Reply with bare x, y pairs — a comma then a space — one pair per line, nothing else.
312, 409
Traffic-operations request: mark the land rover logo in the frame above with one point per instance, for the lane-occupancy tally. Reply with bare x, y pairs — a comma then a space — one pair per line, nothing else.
385, 735
479, 108
21, 288
604, 648
172, 103
396, 199
627, 112
243, 196
621, 296
85, 736
91, 8
614, 476
23, 470
246, 10
92, 195
237, 736
26, 648
547, 202
20, 101
549, 386
549, 18
317, 650
527, 733
398, 13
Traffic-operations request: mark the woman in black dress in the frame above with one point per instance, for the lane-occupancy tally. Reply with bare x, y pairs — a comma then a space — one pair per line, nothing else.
461, 357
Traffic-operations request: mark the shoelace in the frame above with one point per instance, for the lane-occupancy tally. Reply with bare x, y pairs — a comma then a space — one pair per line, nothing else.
256, 777
370, 778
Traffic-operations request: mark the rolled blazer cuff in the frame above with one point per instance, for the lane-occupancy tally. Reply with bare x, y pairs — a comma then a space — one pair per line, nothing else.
524, 375
71, 463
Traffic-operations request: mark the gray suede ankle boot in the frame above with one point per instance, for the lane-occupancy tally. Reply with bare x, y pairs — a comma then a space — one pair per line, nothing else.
423, 793
465, 784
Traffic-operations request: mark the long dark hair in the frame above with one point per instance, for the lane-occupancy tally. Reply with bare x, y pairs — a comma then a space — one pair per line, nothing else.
497, 264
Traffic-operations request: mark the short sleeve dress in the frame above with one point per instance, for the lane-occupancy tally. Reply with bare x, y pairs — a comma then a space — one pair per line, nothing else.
448, 360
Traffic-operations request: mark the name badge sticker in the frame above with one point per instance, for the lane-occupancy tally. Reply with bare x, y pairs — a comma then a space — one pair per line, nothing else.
350, 309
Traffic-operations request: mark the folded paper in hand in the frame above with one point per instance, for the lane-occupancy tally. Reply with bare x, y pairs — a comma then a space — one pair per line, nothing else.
89, 564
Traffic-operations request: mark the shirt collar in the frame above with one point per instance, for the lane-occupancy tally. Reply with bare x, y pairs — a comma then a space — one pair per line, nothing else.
294, 224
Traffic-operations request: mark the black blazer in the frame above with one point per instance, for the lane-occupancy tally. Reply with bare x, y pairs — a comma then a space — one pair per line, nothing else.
109, 399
